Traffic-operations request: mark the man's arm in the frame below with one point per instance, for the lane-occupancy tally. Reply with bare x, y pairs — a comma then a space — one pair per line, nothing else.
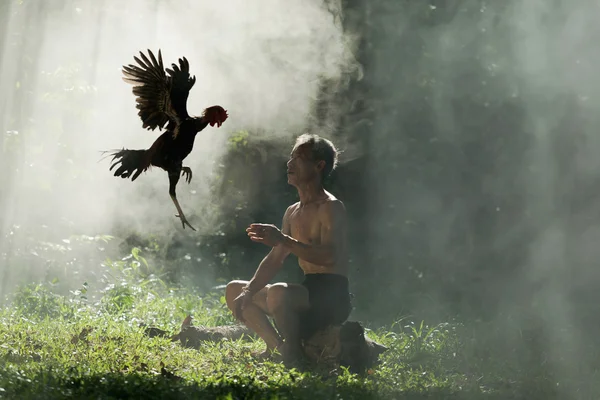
273, 261
333, 237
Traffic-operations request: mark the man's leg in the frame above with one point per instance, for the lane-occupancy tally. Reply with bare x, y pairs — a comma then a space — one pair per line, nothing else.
285, 303
255, 314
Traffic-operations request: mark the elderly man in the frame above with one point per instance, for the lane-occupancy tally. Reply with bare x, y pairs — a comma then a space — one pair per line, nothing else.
313, 229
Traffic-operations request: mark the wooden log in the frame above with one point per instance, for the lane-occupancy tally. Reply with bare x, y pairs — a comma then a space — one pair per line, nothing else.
338, 345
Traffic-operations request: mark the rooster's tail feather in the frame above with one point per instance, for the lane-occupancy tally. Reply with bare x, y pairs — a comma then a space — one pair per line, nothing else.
130, 162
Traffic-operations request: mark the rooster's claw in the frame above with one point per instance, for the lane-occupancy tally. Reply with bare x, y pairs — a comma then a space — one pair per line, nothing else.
184, 221
187, 173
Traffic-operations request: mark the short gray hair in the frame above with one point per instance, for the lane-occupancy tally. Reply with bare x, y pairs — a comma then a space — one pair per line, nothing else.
321, 149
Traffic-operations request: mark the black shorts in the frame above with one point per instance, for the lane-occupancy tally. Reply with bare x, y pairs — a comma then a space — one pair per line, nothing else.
330, 302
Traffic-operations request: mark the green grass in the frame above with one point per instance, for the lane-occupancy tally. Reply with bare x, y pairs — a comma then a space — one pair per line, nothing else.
85, 345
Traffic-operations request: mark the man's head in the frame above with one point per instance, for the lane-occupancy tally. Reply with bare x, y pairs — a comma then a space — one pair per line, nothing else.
312, 157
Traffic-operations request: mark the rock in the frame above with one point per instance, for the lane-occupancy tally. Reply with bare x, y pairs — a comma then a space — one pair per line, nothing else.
344, 345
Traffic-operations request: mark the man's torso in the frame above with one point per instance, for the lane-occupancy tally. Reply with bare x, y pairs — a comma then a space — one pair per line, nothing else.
305, 226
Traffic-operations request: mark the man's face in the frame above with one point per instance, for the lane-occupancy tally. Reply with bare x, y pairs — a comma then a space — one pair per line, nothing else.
301, 168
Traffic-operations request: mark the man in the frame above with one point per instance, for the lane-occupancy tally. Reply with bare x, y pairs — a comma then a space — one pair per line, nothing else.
313, 229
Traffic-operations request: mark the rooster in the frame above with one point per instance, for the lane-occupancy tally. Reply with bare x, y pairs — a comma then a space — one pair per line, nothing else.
161, 100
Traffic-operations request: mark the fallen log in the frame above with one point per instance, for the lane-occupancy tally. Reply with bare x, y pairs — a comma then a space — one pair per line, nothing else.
338, 345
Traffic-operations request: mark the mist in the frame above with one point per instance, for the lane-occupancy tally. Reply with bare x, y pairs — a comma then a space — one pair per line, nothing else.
262, 64
483, 173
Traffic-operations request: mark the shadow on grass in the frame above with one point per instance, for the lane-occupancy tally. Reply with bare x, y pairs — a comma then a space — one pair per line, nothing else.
59, 385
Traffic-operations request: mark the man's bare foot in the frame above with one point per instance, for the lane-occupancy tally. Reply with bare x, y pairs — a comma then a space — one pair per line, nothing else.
291, 354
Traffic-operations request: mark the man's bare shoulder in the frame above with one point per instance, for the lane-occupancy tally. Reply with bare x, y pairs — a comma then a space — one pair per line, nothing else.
332, 200
333, 206
289, 211
292, 208
286, 224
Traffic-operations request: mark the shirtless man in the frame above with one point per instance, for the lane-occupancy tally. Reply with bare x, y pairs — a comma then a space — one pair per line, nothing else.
313, 229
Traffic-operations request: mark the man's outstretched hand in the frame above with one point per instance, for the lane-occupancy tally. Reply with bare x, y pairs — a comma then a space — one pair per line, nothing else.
265, 233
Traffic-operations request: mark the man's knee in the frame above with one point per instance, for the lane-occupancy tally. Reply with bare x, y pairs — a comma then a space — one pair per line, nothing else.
286, 296
233, 290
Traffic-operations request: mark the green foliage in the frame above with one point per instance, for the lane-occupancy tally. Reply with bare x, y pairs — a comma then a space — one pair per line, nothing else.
39, 302
238, 140
81, 346
101, 351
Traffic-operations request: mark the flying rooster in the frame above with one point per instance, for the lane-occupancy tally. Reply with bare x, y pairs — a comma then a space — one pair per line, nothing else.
161, 100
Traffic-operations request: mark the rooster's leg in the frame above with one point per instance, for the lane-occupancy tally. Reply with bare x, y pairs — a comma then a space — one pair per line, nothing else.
187, 172
173, 179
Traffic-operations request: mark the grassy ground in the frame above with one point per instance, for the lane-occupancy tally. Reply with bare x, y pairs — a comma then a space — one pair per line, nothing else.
83, 346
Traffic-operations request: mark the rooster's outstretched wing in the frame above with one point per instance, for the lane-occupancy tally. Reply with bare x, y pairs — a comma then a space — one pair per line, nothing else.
161, 99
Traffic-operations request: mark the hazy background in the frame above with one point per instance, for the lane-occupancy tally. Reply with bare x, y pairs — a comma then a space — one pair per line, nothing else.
470, 171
